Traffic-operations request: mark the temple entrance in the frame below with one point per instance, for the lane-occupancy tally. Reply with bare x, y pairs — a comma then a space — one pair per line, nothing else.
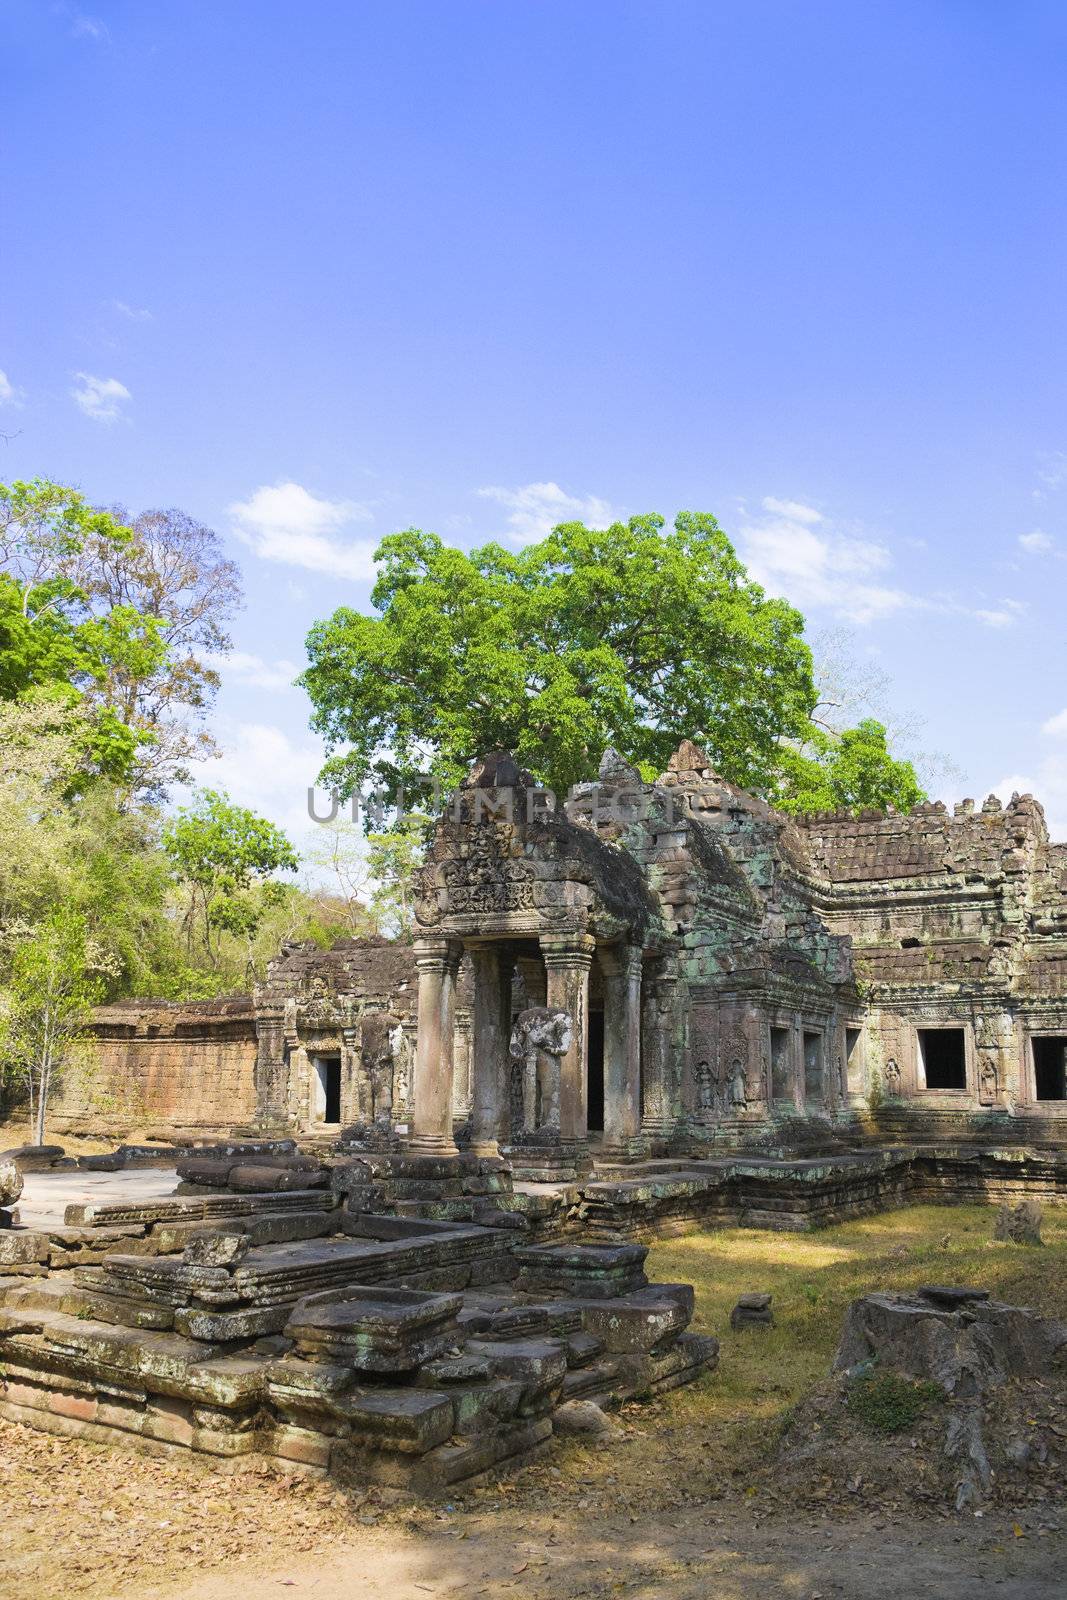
326, 1088
595, 1092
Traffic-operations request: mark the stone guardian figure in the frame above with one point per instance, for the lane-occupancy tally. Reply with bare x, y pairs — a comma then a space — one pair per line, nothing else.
540, 1039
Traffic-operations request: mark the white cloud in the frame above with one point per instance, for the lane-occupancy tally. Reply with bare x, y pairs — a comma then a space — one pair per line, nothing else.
796, 552
1036, 543
132, 313
821, 570
263, 768
99, 398
534, 509
1056, 727
287, 523
9, 395
1006, 616
86, 27
795, 510
253, 670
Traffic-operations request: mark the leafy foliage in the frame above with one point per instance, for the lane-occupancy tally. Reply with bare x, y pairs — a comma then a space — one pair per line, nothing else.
221, 851
124, 620
55, 980
888, 1403
629, 636
852, 770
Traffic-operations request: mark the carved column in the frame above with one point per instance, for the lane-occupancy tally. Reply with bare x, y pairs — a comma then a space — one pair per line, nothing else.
568, 958
490, 1064
659, 1111
436, 962
350, 1075
621, 967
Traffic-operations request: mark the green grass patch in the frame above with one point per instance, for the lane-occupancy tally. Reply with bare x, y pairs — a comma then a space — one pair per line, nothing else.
885, 1402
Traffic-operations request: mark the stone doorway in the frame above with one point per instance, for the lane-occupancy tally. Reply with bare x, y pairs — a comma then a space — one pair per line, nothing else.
326, 1088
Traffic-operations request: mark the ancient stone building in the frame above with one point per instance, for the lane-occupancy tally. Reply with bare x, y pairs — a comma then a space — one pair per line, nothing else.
667, 967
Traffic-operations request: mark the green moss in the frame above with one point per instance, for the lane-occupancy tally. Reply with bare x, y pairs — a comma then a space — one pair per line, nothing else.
888, 1403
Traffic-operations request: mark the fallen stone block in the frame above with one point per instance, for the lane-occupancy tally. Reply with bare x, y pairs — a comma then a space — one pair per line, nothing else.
584, 1418
10, 1181
752, 1311
382, 1330
1019, 1224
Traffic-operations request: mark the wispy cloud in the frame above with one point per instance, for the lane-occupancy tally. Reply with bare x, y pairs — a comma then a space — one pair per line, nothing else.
253, 670
796, 551
285, 522
1006, 615
1056, 727
131, 313
9, 395
1037, 543
795, 510
99, 398
534, 509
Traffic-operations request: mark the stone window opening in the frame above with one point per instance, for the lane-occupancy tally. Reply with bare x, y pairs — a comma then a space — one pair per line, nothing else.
943, 1057
813, 1066
326, 1087
781, 1088
1050, 1067
910, 943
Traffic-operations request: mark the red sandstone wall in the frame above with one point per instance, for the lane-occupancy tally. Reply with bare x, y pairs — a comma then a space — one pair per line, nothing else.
183, 1066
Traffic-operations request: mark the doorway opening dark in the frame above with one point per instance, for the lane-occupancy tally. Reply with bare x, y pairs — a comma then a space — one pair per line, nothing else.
328, 1071
595, 1091
1050, 1068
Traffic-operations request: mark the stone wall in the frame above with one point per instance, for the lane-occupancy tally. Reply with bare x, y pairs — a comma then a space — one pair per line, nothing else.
183, 1067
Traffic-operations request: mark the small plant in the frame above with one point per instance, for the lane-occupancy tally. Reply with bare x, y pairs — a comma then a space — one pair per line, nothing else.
887, 1403
810, 1293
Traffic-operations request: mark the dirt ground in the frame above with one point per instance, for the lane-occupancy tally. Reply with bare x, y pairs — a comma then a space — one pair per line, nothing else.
687, 1503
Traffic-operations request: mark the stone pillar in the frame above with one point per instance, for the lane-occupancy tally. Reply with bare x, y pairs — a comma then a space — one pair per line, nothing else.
661, 1107
490, 1029
568, 957
436, 962
621, 968
350, 1075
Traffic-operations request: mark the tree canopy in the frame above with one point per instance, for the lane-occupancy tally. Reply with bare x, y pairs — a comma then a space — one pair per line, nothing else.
630, 636
633, 636
124, 618
853, 770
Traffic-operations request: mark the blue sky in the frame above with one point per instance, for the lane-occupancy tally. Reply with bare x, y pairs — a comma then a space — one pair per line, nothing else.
316, 272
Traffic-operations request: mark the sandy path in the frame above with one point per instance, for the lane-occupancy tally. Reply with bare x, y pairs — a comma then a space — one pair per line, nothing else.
710, 1556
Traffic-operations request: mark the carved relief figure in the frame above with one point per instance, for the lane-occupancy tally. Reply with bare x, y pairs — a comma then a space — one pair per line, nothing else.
892, 1077
988, 1084
381, 1045
540, 1039
738, 1086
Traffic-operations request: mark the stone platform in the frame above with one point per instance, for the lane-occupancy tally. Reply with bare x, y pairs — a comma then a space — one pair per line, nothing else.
291, 1325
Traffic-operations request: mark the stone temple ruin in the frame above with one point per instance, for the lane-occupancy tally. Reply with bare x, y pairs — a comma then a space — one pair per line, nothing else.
723, 971
414, 1176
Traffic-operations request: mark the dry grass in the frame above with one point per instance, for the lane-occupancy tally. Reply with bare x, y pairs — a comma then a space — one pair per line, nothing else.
89, 1518
714, 1435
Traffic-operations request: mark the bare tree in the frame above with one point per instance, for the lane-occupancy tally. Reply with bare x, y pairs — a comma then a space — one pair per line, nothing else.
173, 569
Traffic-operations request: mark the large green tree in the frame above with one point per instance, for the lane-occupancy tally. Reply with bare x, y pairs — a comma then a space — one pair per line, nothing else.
633, 636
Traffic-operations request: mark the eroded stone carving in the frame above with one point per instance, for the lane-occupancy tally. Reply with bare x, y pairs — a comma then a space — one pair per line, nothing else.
540, 1039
